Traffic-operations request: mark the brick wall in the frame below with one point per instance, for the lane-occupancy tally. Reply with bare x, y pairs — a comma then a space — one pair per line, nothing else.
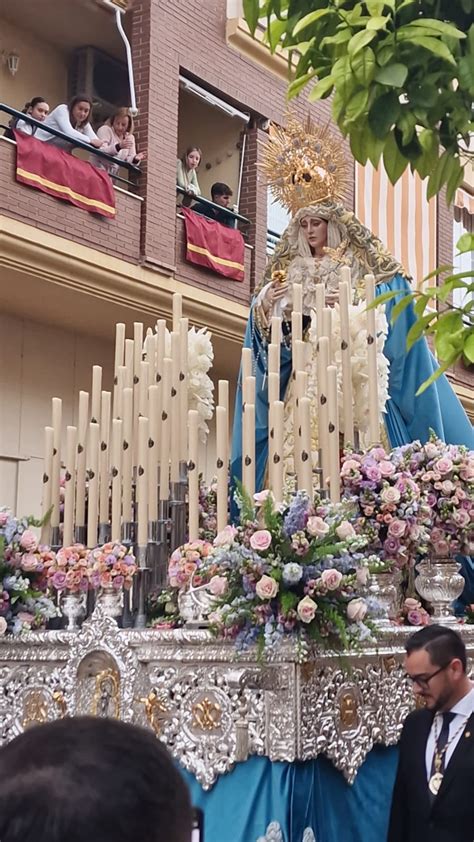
200, 277
119, 237
169, 38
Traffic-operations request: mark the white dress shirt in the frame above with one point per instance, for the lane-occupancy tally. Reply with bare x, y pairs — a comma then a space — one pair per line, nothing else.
463, 710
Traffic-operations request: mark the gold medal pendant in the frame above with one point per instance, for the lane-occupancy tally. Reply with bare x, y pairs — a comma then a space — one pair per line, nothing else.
435, 782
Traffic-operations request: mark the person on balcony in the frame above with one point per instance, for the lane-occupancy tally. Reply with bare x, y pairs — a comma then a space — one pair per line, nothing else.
38, 108
119, 141
72, 120
186, 171
221, 195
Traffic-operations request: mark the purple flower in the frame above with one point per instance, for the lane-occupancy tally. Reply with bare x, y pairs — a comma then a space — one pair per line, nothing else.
391, 546
59, 580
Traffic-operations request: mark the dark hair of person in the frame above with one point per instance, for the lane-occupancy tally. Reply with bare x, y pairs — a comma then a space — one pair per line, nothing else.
73, 102
14, 120
442, 644
88, 779
220, 189
190, 149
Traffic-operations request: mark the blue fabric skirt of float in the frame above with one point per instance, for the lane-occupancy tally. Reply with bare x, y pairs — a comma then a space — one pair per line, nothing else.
265, 801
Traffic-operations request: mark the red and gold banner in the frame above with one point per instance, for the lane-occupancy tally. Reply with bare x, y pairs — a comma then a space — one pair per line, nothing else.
60, 174
214, 246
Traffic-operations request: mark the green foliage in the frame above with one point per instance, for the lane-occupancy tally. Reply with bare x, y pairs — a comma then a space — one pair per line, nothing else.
401, 73
451, 327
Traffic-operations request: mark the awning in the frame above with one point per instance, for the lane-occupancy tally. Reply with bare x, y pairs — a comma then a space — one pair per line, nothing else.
464, 200
211, 99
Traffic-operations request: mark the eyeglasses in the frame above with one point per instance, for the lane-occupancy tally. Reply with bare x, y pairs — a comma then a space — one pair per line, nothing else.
423, 681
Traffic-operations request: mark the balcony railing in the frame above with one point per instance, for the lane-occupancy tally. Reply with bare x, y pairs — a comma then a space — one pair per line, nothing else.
236, 217
76, 144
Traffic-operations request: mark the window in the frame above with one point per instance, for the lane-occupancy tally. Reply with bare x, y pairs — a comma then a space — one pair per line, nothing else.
463, 222
277, 220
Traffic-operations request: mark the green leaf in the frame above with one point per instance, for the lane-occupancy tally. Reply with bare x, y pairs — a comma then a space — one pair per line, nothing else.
343, 78
421, 304
392, 74
374, 148
321, 89
437, 177
438, 48
359, 41
384, 113
438, 26
295, 87
465, 243
339, 38
359, 142
401, 306
394, 162
363, 66
356, 106
377, 22
375, 7
468, 349
275, 31
251, 13
307, 20
418, 328
439, 371
455, 180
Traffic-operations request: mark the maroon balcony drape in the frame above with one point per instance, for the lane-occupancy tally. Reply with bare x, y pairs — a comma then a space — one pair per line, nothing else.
214, 246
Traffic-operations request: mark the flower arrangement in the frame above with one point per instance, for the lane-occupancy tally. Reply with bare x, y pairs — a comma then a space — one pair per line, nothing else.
444, 475
24, 603
412, 613
186, 562
392, 511
69, 569
162, 609
207, 510
290, 572
111, 565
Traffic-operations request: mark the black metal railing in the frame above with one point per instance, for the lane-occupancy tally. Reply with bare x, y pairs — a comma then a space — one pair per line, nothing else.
132, 169
236, 217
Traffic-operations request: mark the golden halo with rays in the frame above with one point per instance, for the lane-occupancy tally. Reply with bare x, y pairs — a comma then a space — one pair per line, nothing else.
304, 164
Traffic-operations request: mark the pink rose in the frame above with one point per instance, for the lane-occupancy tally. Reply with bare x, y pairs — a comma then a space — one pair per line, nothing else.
345, 530
261, 540
26, 618
218, 585
373, 473
397, 528
386, 468
356, 610
225, 537
29, 541
390, 495
441, 548
29, 562
266, 587
362, 576
3, 626
261, 496
317, 527
444, 465
431, 450
415, 617
306, 609
461, 518
410, 604
348, 466
331, 579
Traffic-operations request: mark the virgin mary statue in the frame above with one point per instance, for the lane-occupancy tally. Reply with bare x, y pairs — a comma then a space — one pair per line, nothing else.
306, 172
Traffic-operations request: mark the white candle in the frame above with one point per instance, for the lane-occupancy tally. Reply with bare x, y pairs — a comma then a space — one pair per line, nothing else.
47, 477
277, 487
57, 409
82, 428
118, 395
247, 364
298, 355
96, 393
274, 359
143, 388
127, 455
320, 293
137, 361
296, 327
333, 436
305, 479
346, 277
69, 486
297, 298
327, 329
248, 449
129, 356
174, 409
193, 474
183, 388
223, 394
153, 446
273, 388
93, 475
160, 338
177, 310
116, 473
165, 433
249, 390
374, 420
221, 466
276, 331
104, 458
119, 359
300, 389
322, 362
142, 483
347, 405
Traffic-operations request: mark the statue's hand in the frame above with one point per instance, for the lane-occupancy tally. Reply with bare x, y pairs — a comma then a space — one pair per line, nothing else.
275, 293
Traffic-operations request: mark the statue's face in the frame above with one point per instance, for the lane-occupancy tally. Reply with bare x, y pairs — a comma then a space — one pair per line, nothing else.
316, 232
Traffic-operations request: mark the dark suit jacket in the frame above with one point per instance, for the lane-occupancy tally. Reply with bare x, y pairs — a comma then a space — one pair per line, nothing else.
450, 816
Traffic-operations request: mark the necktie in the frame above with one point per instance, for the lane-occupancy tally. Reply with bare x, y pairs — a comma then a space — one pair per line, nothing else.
440, 745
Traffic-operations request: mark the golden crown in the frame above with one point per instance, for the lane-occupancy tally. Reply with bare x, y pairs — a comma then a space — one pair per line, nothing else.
304, 164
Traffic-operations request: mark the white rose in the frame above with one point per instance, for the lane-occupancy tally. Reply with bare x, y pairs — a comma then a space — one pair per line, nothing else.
356, 610
331, 579
225, 537
3, 626
345, 530
306, 609
266, 587
317, 527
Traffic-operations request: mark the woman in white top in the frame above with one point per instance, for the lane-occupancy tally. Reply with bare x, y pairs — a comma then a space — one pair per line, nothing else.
119, 141
38, 108
73, 120
186, 167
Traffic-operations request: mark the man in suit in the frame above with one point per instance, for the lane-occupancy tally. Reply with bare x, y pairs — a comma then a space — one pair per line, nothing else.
433, 797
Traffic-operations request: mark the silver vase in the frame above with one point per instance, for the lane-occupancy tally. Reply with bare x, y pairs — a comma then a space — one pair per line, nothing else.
384, 587
111, 601
73, 608
440, 583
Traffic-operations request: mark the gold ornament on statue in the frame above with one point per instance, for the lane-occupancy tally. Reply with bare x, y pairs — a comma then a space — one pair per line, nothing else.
304, 165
